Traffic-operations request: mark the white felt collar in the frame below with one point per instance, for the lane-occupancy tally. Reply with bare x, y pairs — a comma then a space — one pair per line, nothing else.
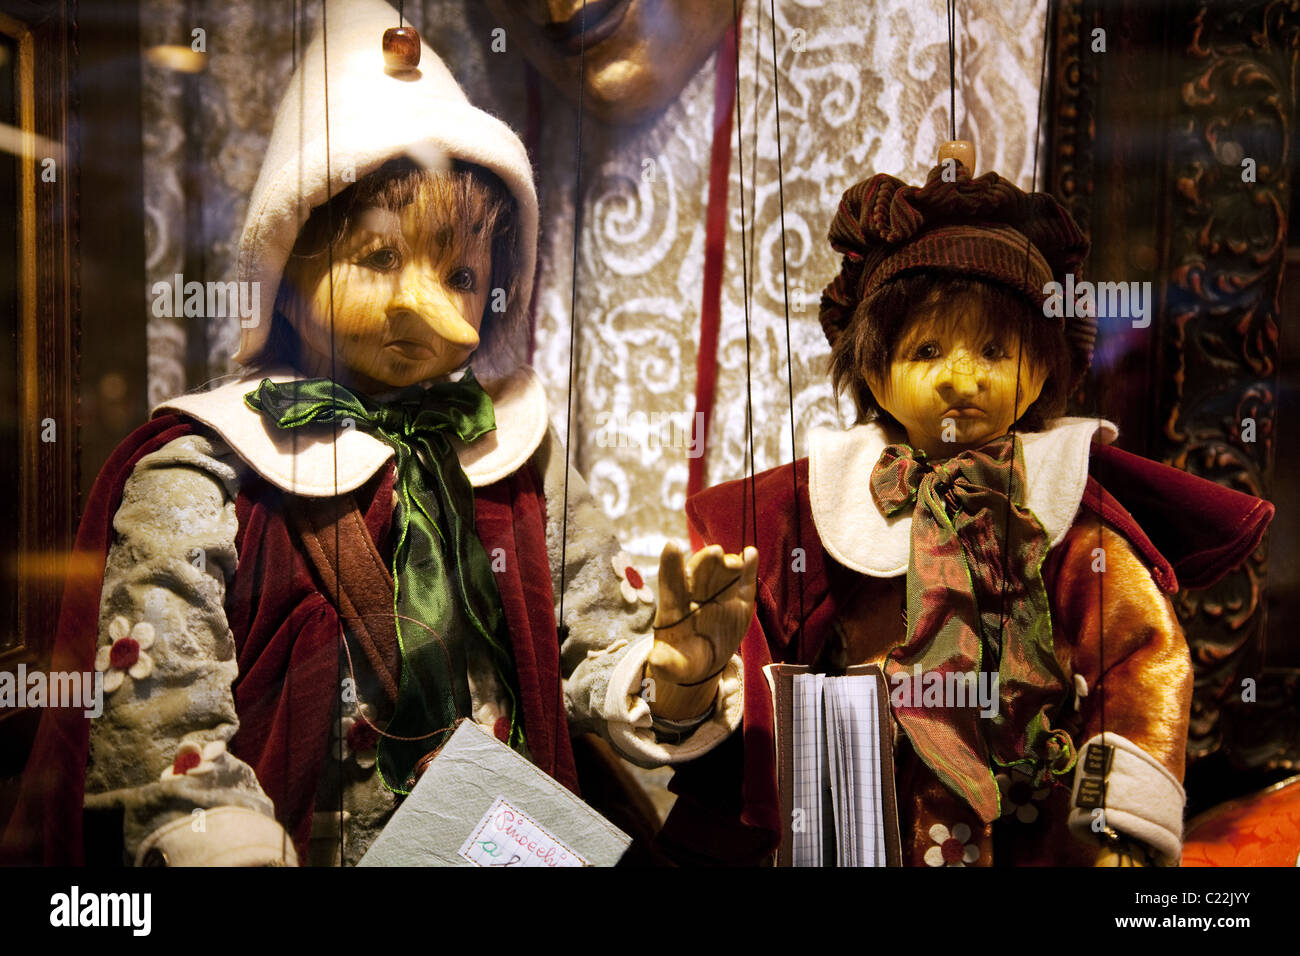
857, 535
303, 461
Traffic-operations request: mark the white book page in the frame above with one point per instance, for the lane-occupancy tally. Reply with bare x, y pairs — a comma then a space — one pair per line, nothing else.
854, 730
808, 749
840, 775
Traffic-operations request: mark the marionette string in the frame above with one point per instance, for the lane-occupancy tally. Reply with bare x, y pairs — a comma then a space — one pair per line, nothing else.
952, 70
748, 495
573, 312
573, 327
785, 280
297, 26
753, 233
1033, 185
573, 334
1038, 121
334, 426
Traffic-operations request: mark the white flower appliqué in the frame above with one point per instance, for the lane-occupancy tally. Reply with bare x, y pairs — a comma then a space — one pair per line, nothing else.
630, 582
1019, 796
126, 653
951, 848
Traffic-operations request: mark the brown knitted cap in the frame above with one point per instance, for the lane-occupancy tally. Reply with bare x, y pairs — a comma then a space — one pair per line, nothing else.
987, 228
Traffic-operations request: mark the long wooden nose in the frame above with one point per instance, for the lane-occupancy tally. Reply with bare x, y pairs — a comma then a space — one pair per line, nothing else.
448, 324
438, 307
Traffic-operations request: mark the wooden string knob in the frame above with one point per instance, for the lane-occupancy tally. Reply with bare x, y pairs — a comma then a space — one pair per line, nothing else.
962, 150
401, 48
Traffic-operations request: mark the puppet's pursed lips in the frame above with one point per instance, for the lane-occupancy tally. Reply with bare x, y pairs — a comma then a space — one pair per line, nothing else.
603, 17
964, 411
411, 348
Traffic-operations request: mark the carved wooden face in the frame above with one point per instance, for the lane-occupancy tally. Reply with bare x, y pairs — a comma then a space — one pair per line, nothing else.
408, 297
952, 381
638, 53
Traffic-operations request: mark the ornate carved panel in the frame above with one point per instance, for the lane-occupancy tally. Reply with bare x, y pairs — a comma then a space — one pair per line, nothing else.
1175, 147
1230, 154
41, 289
38, 303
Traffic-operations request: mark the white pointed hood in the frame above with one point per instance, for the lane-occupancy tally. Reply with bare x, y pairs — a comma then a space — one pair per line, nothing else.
374, 116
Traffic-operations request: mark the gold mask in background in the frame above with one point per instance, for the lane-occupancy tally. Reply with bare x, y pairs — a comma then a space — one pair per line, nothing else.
638, 53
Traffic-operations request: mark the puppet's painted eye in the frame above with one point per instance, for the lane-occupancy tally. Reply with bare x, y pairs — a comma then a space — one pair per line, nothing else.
925, 351
382, 259
994, 351
463, 279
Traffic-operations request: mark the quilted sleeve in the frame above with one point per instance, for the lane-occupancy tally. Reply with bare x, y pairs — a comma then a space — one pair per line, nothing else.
158, 749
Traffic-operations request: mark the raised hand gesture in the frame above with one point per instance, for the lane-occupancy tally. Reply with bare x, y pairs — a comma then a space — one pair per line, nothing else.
705, 606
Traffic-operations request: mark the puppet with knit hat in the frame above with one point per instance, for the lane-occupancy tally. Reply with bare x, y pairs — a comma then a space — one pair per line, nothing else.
963, 526
313, 571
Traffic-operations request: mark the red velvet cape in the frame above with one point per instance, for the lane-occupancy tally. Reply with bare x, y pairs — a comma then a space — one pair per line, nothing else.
728, 810
286, 642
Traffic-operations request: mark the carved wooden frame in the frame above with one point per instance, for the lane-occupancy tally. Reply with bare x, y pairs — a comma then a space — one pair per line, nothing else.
1221, 90
46, 333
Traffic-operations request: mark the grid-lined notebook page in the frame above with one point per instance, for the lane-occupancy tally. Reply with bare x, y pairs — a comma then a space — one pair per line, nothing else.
853, 733
808, 749
838, 765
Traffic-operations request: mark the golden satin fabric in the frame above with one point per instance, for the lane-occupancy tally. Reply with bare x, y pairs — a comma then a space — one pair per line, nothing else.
1116, 629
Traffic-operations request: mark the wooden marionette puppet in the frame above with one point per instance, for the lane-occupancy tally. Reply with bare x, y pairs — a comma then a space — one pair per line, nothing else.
964, 526
356, 479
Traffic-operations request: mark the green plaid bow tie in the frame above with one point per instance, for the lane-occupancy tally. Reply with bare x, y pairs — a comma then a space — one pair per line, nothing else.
444, 590
965, 612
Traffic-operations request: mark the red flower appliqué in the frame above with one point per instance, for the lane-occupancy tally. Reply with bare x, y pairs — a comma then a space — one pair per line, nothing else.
630, 582
361, 737
193, 759
124, 653
356, 737
186, 761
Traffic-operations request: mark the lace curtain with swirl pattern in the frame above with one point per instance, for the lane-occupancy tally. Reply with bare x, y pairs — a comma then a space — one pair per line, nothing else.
863, 88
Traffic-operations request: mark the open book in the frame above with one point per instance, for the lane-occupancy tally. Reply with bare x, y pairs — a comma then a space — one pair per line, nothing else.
835, 767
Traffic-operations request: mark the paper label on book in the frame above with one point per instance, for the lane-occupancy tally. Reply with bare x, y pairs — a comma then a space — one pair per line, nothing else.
506, 837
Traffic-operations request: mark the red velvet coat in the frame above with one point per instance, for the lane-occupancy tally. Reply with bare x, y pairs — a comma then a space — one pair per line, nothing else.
1179, 526
286, 644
